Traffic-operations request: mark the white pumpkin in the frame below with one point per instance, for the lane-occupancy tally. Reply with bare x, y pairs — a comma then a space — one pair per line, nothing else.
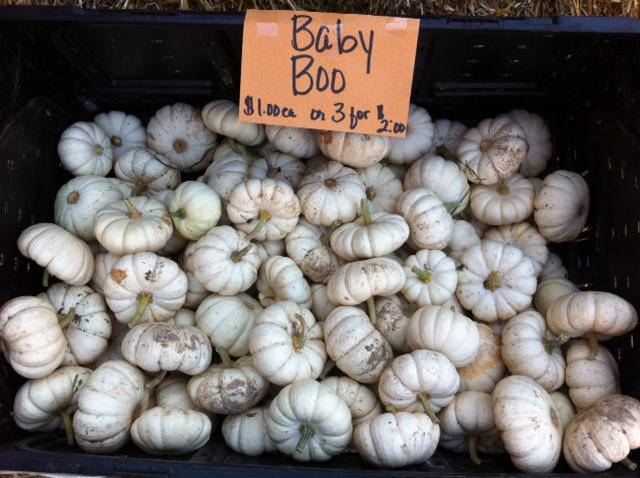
32, 341
267, 249
146, 171
502, 203
446, 331
382, 187
565, 408
444, 178
538, 137
308, 246
157, 347
524, 236
553, 268
85, 320
125, 131
431, 278
196, 292
353, 149
420, 381
194, 208
145, 287
487, 369
79, 200
246, 433
418, 139
492, 151
102, 268
183, 316
603, 434
321, 306
59, 252
172, 392
287, 344
309, 421
228, 321
223, 260
395, 440
171, 431
329, 193
276, 165
84, 149
463, 237
361, 400
228, 387
529, 423
103, 419
356, 347
496, 281
298, 142
529, 349
281, 279
229, 167
590, 379
223, 117
561, 206
393, 314
266, 209
177, 132
448, 134
430, 222
549, 290
133, 225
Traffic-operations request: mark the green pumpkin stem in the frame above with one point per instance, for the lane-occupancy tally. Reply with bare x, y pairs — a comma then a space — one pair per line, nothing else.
66, 319
144, 299
371, 306
307, 433
473, 450
424, 399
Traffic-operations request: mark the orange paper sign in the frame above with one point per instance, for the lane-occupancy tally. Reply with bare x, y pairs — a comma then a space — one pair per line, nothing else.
328, 71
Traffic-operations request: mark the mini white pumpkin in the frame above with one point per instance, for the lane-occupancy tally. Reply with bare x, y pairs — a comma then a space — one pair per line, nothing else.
496, 281
444, 178
194, 208
321, 306
565, 408
553, 268
146, 171
171, 431
590, 379
505, 202
298, 142
183, 316
145, 287
538, 137
228, 321
177, 132
287, 344
223, 117
448, 134
59, 252
393, 315
463, 237
561, 206
246, 433
356, 347
171, 392
223, 260
382, 187
418, 139
229, 167
228, 387
331, 192
492, 151
196, 292
267, 249
32, 340
529, 349
79, 200
395, 440
446, 331
361, 400
84, 148
431, 278
266, 209
133, 225
276, 165
529, 423
603, 434
420, 381
488, 368
125, 131
106, 406
309, 421
308, 246
430, 222
524, 236
281, 279
549, 290
353, 149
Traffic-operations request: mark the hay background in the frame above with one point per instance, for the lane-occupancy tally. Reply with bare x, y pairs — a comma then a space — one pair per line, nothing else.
502, 8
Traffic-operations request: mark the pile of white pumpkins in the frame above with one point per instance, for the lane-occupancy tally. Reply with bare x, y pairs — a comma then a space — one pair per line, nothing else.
383, 296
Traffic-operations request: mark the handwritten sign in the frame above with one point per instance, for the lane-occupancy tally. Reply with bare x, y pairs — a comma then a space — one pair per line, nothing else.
328, 71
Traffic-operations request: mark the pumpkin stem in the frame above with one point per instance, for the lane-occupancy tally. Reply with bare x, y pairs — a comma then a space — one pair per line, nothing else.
593, 345
423, 274
133, 212
307, 432
629, 464
155, 381
98, 149
390, 409
263, 218
330, 183
424, 399
493, 281
328, 366
179, 213
73, 197
326, 237
239, 254
266, 295
444, 152
226, 359
272, 171
473, 450
299, 332
68, 425
485, 145
116, 141
371, 193
503, 190
64, 320
45, 278
144, 299
373, 315
551, 344
366, 214
138, 188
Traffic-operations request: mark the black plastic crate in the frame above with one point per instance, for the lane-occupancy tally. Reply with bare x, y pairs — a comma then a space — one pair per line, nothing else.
59, 65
